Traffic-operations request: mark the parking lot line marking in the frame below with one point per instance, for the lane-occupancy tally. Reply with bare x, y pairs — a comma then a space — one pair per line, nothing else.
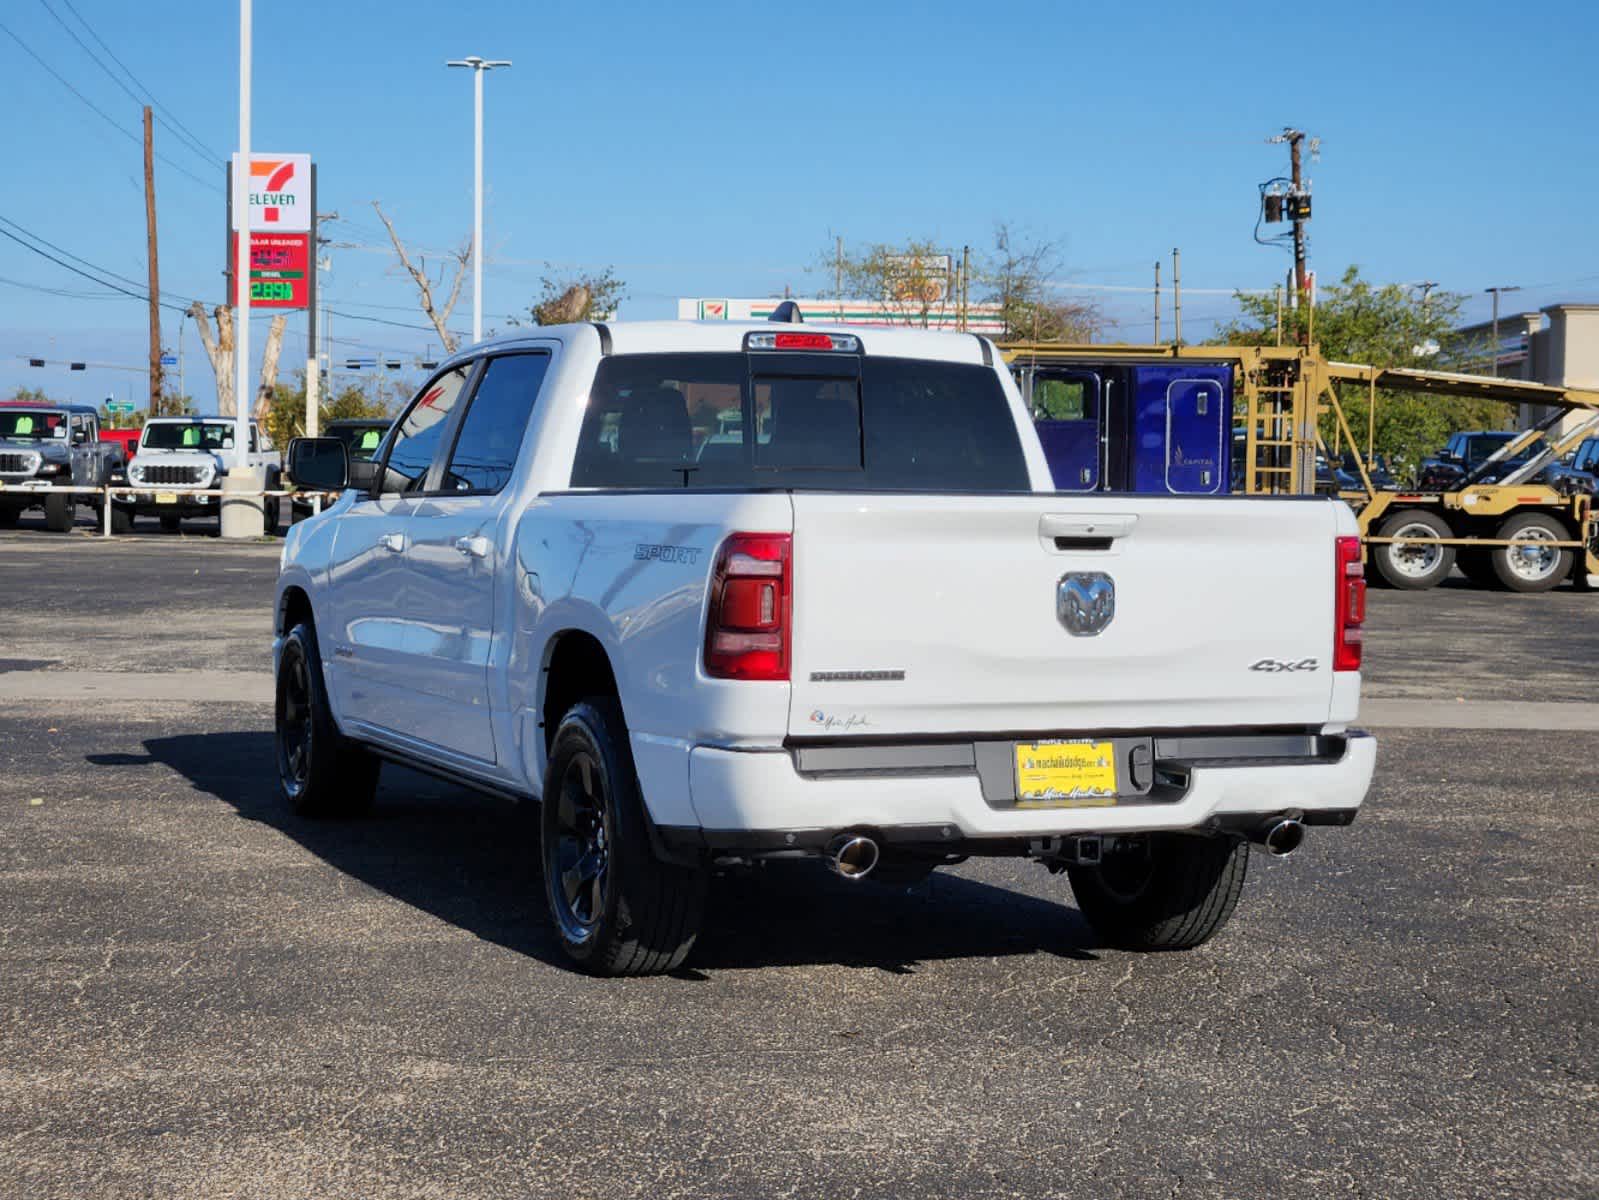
207, 687
1479, 714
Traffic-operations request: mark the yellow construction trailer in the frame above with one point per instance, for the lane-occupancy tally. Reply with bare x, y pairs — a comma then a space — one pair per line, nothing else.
1520, 535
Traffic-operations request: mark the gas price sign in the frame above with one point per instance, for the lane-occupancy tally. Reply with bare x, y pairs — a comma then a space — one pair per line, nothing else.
280, 270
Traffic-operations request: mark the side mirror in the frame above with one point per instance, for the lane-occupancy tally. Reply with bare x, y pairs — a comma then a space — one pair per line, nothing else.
363, 475
318, 464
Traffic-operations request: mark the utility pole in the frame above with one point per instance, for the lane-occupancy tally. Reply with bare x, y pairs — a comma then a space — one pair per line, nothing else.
479, 66
1157, 302
1177, 291
1297, 209
155, 275
1493, 349
966, 289
1296, 139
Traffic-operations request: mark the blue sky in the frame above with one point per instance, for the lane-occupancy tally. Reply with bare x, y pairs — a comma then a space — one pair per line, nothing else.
711, 148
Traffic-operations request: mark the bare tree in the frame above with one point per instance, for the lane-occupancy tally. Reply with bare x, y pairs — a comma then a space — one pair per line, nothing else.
266, 392
1017, 279
439, 316
219, 350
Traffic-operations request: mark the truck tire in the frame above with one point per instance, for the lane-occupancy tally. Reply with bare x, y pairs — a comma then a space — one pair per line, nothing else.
1413, 568
1532, 568
271, 513
616, 907
320, 771
59, 512
1175, 897
121, 518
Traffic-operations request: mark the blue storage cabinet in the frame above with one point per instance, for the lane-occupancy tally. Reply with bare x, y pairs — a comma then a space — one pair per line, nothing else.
1162, 428
1181, 437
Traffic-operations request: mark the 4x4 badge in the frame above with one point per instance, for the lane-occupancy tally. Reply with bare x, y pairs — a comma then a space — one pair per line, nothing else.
1085, 602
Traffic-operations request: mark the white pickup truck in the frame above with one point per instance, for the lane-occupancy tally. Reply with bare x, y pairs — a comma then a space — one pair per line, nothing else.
179, 458
864, 629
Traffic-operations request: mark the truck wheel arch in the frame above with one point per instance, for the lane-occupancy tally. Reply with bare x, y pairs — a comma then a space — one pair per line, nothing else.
294, 607
576, 666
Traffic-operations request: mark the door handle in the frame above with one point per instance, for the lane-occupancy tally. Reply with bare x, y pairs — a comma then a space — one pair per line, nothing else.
1089, 525
394, 542
473, 547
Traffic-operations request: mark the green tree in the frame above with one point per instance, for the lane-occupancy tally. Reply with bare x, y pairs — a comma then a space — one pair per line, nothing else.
564, 299
286, 419
911, 279
1385, 325
27, 395
917, 277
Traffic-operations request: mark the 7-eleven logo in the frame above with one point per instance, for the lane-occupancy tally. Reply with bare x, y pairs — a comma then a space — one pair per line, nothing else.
273, 195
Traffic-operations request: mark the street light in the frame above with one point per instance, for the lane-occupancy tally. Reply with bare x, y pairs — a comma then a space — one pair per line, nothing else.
478, 65
1494, 292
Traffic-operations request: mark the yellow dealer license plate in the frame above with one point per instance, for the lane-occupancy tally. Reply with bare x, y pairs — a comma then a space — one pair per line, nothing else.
166, 497
1072, 773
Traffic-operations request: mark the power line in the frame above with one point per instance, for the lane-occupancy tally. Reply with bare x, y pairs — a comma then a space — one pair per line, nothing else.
187, 142
28, 233
74, 295
98, 111
144, 296
381, 321
209, 153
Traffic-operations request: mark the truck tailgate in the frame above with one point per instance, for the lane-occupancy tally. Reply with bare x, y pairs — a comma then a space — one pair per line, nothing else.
924, 614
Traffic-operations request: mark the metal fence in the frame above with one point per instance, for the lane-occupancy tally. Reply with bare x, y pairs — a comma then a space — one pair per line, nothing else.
107, 494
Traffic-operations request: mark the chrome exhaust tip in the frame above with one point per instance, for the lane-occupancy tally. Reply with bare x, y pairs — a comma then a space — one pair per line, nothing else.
852, 855
1283, 838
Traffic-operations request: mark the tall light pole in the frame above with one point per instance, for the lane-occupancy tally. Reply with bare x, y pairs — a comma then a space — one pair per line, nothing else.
1494, 292
241, 264
478, 65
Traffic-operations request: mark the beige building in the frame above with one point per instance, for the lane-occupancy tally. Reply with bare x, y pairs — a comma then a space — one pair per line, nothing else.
1556, 345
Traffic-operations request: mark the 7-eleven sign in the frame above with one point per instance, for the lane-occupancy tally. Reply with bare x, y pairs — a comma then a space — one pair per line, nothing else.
279, 189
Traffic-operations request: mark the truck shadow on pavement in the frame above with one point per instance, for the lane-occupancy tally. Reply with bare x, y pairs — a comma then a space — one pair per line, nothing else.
472, 861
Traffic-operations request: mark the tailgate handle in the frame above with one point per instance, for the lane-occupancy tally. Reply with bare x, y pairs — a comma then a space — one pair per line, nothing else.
1083, 531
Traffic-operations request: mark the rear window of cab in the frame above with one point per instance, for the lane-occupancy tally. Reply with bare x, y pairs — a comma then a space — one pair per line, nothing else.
834, 422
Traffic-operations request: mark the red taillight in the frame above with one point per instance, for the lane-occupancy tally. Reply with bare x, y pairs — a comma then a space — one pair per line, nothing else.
846, 343
1349, 606
803, 341
747, 623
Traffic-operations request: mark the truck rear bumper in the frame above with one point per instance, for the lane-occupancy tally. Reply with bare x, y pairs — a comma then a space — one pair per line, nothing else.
757, 800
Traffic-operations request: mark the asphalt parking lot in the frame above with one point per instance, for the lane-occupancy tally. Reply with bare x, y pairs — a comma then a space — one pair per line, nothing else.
203, 997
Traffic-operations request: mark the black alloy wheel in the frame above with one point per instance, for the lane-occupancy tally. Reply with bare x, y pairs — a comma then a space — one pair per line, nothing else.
581, 855
295, 726
321, 772
616, 907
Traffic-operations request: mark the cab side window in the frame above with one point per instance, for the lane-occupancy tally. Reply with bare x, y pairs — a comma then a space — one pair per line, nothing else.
416, 440
491, 435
